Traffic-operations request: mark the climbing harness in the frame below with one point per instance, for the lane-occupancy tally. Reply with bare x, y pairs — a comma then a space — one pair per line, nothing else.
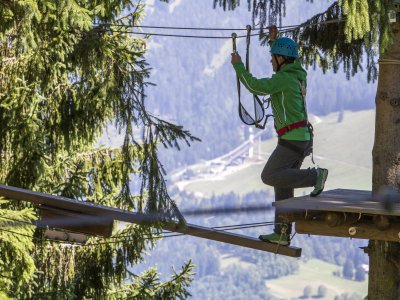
258, 104
290, 127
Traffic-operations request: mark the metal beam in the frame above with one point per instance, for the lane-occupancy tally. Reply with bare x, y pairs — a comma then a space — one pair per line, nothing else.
96, 213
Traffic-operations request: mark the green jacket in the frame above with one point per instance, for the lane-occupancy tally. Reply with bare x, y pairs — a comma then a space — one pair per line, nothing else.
285, 88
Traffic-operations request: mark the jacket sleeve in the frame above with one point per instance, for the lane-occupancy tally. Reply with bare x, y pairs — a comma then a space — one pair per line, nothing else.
263, 86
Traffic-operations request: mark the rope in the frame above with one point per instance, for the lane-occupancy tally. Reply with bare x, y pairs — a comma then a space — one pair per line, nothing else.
283, 231
383, 61
291, 238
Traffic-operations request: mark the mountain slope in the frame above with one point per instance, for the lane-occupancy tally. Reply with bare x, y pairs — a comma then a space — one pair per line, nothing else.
342, 147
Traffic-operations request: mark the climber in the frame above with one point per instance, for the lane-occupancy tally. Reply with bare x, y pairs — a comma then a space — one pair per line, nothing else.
287, 88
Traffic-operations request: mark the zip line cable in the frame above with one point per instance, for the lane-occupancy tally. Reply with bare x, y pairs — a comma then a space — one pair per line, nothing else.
169, 27
106, 27
176, 35
183, 234
170, 234
226, 227
119, 239
57, 223
216, 228
154, 217
88, 220
215, 28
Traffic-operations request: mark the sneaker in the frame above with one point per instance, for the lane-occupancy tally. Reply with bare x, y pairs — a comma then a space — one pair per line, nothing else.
322, 175
280, 239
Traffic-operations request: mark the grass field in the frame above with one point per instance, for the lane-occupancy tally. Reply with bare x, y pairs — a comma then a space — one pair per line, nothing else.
344, 148
315, 273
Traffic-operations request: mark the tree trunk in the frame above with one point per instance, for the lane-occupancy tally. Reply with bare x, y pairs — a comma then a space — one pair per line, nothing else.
384, 257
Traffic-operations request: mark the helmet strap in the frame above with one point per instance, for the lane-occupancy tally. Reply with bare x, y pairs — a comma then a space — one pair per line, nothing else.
279, 65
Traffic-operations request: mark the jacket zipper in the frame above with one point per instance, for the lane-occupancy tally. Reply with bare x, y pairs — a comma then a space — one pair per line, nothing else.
283, 105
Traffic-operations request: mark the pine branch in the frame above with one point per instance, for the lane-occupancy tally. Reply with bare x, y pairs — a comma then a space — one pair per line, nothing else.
68, 81
328, 42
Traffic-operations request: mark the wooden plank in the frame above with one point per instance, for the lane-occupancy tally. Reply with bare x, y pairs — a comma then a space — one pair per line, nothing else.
359, 230
50, 200
65, 236
235, 239
98, 213
340, 200
76, 222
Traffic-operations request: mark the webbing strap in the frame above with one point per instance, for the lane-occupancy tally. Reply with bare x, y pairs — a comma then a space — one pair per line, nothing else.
243, 114
259, 112
290, 127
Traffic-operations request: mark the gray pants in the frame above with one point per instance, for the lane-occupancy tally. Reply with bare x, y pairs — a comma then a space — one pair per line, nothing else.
282, 171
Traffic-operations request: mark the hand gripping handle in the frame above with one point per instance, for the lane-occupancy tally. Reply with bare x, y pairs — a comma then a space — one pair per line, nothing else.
234, 36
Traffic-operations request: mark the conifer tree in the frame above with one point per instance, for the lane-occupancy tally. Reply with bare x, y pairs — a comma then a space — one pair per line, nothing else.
64, 77
323, 42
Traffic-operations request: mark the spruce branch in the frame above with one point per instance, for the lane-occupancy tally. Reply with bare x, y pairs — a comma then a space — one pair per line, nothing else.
67, 80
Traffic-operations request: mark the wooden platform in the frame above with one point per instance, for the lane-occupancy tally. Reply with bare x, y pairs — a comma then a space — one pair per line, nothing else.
81, 216
339, 200
363, 230
343, 213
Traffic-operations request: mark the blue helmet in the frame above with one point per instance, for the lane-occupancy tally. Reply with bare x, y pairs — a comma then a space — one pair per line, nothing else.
285, 46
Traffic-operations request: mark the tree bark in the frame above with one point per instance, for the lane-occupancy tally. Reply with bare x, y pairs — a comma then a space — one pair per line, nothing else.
384, 257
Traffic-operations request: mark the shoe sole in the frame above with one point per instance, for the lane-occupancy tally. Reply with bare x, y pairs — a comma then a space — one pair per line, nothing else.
312, 194
278, 244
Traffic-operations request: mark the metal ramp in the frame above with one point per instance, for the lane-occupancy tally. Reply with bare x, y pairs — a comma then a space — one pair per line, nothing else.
85, 217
